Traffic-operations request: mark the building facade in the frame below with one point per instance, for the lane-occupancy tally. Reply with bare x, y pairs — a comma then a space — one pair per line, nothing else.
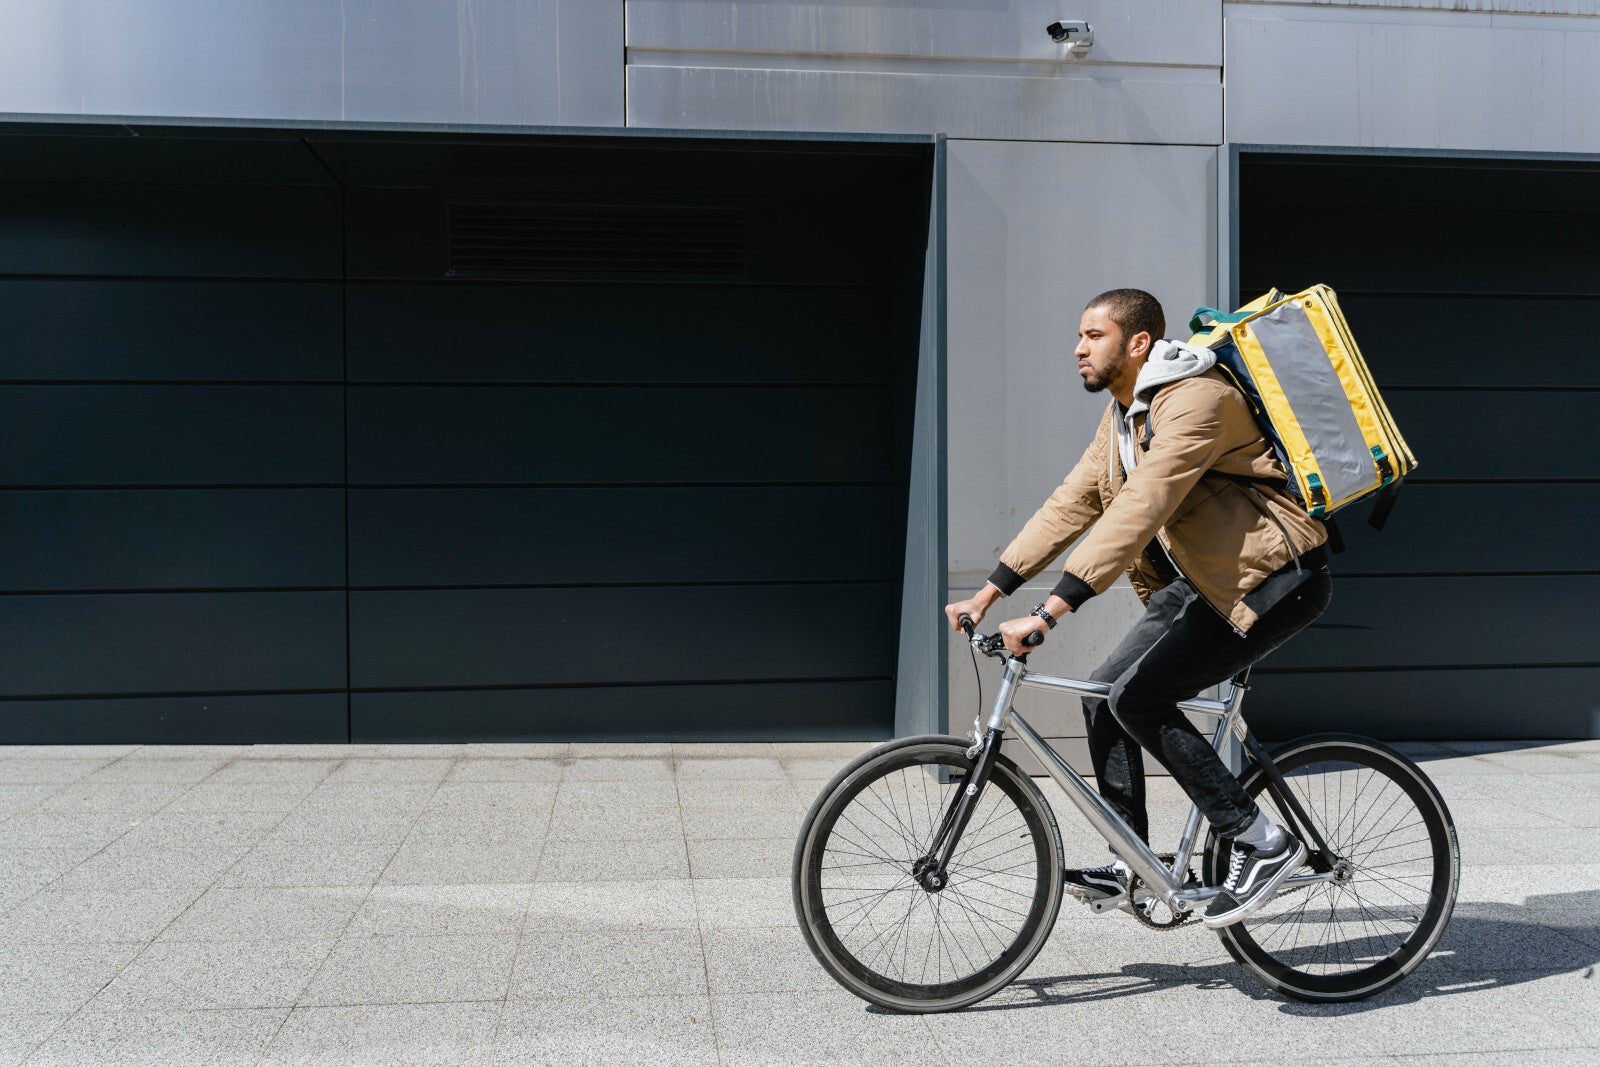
656, 368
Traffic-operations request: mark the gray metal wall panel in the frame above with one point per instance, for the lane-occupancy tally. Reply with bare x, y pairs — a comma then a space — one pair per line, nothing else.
1179, 32
1335, 75
528, 61
1466, 704
1036, 230
519, 637
1463, 621
476, 435
1147, 105
783, 711
1509, 7
102, 435
573, 333
143, 644
91, 540
124, 330
258, 719
436, 537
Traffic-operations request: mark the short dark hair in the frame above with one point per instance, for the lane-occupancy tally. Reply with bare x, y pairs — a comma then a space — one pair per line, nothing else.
1135, 310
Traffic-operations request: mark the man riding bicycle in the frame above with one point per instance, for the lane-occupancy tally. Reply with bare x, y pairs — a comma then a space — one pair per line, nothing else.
1180, 491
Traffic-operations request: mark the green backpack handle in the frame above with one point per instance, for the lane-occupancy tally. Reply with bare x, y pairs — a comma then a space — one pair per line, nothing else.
1199, 322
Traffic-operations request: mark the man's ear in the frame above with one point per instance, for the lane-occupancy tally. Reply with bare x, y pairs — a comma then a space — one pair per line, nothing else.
1141, 344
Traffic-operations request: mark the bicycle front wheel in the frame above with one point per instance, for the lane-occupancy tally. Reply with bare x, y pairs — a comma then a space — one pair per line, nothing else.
873, 926
1397, 871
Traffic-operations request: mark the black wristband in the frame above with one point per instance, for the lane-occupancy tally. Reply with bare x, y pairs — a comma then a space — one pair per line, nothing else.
1049, 619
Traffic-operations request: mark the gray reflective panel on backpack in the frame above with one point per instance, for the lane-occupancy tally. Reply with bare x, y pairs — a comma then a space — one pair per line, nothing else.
1319, 402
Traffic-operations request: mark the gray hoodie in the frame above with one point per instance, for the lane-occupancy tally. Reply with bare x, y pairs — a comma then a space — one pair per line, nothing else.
1169, 361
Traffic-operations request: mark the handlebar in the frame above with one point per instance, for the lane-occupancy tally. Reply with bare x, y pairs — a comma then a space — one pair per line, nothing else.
994, 645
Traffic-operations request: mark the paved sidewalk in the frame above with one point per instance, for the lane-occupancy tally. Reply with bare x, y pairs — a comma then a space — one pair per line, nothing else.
623, 904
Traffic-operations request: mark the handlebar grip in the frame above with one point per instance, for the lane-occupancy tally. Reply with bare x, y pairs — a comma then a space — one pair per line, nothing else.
1035, 639
965, 622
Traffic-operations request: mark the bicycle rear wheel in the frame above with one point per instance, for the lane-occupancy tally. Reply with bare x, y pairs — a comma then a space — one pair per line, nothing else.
875, 929
1394, 846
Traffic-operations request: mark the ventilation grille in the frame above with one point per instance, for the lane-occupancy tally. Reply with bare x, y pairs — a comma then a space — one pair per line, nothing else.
564, 238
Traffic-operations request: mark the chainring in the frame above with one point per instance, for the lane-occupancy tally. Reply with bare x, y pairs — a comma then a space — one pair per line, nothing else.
1147, 909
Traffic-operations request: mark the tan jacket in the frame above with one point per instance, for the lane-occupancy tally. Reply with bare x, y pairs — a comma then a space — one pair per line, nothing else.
1226, 534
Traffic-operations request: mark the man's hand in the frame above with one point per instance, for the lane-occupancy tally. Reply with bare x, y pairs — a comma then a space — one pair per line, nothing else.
976, 605
1015, 630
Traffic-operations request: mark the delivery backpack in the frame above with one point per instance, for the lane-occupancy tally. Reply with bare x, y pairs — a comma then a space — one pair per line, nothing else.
1297, 363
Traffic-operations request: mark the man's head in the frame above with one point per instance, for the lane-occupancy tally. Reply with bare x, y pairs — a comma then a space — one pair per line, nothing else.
1114, 338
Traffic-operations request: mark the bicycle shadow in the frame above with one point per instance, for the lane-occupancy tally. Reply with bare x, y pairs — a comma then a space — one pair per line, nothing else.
1487, 945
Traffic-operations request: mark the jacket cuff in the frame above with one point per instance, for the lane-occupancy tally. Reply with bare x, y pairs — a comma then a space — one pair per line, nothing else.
1073, 590
1005, 579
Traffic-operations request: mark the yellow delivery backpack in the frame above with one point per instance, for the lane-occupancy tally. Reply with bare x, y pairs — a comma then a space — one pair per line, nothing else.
1296, 360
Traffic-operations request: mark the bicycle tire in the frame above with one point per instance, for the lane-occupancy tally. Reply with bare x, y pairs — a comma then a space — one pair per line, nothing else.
875, 929
1349, 940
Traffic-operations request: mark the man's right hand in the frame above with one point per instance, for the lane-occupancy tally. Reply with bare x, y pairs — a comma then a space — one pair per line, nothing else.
976, 606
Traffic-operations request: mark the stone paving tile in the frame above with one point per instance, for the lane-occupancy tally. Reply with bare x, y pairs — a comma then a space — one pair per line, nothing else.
59, 915
321, 826
59, 978
638, 768
186, 975
15, 799
507, 769
88, 833
669, 1031
807, 1028
490, 825
814, 768
369, 798
391, 771
762, 960
37, 867
442, 910
744, 902
424, 862
759, 821
1487, 937
88, 797
133, 867
724, 749
271, 864
551, 750
470, 798
580, 963
759, 857
584, 750
1407, 1023
199, 829
220, 795
306, 772
382, 751
643, 905
690, 769
161, 1039
623, 860
270, 913
100, 752
34, 771
22, 1032
171, 771
385, 1035
413, 970
717, 796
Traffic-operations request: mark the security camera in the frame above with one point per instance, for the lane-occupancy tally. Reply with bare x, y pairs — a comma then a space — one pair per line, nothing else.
1076, 34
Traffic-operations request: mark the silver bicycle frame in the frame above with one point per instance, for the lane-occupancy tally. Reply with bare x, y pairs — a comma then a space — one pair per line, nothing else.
1166, 883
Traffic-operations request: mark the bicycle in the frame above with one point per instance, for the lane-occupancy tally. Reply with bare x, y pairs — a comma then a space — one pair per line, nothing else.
928, 872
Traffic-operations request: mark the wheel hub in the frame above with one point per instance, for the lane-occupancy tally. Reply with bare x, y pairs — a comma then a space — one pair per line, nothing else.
926, 872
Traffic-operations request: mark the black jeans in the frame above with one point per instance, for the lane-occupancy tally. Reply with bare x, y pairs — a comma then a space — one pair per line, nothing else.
1178, 648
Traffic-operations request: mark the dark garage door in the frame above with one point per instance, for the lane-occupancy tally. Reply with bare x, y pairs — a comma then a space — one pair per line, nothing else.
1474, 289
399, 439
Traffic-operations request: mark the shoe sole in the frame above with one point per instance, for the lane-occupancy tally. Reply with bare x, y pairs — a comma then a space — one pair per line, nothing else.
1259, 901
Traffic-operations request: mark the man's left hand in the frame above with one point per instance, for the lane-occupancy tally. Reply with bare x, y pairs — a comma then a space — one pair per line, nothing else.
1013, 631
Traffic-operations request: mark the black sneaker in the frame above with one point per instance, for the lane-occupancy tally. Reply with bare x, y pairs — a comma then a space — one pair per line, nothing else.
1253, 877
1096, 883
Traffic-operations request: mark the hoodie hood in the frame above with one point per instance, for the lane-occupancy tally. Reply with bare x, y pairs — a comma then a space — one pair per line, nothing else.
1170, 361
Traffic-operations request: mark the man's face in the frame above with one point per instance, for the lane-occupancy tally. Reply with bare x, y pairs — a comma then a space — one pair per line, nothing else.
1102, 350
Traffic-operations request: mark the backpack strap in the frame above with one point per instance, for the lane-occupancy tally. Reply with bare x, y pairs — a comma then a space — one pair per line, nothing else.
1383, 504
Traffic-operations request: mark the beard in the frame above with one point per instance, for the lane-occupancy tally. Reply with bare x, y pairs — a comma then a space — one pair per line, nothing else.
1095, 382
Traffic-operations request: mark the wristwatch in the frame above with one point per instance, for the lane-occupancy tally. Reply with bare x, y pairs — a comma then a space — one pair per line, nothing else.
1049, 619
